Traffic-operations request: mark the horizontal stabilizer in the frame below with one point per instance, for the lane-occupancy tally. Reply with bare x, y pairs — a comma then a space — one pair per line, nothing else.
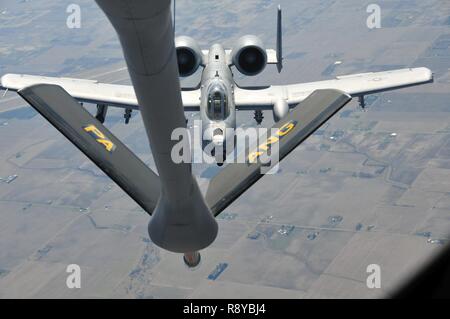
96, 142
295, 127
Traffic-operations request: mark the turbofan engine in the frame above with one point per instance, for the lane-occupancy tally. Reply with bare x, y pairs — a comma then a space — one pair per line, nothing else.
249, 55
189, 55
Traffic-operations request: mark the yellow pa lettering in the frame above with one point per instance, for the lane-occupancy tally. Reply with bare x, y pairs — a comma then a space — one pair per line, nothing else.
100, 137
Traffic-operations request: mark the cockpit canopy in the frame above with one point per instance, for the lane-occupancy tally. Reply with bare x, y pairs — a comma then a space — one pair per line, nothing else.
217, 108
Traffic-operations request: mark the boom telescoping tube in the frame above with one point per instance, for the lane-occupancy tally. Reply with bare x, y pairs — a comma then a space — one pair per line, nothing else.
182, 221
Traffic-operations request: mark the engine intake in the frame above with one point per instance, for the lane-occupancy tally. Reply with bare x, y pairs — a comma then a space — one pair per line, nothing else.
189, 55
249, 55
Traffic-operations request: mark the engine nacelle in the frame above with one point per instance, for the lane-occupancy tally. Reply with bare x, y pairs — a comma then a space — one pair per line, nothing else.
249, 55
189, 55
280, 109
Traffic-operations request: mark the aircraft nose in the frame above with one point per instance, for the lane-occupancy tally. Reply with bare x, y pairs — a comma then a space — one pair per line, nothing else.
218, 139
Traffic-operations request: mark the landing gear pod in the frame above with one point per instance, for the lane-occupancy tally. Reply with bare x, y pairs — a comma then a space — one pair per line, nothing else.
280, 109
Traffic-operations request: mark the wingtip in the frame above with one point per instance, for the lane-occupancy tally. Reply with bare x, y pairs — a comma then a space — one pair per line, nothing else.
3, 81
7, 81
423, 73
429, 74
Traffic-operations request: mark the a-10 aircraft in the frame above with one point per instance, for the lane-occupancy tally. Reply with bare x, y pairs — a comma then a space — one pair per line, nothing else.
182, 218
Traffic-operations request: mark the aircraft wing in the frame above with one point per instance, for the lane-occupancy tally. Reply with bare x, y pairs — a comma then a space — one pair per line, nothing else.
234, 179
355, 85
92, 91
96, 142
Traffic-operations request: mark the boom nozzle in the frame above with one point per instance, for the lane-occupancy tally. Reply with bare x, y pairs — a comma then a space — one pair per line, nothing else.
192, 259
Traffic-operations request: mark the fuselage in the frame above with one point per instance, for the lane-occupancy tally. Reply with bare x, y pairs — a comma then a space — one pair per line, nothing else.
217, 108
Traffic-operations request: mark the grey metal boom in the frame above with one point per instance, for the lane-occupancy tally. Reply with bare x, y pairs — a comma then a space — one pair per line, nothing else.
182, 222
